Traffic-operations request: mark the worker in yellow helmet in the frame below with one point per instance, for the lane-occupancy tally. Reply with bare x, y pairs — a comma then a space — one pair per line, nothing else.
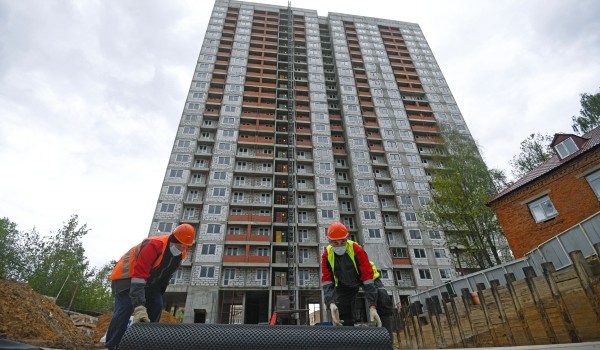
141, 277
345, 267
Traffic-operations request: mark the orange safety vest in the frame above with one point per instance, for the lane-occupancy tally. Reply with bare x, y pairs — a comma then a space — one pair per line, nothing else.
124, 268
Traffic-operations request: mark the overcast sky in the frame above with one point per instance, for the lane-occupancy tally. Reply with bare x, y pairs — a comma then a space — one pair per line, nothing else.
91, 93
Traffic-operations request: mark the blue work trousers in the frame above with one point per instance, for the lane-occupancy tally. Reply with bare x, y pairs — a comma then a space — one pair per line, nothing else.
124, 309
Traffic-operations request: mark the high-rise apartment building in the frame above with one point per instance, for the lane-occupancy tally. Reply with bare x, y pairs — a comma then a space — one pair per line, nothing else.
293, 121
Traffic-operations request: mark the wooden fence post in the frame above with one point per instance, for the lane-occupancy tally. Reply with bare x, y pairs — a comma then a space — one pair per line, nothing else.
435, 301
486, 313
467, 300
461, 332
529, 275
510, 278
494, 284
430, 312
584, 273
549, 269
418, 331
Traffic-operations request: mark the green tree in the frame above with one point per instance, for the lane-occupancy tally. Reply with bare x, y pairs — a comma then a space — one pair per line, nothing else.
589, 114
94, 293
461, 185
9, 250
535, 150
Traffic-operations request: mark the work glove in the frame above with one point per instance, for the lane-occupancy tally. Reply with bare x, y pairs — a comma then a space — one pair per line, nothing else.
140, 314
335, 314
375, 316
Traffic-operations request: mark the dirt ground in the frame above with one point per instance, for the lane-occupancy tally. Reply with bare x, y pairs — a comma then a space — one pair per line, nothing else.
30, 318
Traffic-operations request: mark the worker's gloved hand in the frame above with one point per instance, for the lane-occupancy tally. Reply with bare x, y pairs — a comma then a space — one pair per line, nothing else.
375, 316
335, 314
140, 314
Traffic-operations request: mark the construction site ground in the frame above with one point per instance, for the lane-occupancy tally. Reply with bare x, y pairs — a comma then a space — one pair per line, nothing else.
30, 318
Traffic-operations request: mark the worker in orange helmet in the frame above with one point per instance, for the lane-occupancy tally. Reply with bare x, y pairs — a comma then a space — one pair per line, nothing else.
345, 267
141, 277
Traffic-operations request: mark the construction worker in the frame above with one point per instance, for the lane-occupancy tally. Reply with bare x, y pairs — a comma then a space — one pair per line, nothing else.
345, 267
141, 277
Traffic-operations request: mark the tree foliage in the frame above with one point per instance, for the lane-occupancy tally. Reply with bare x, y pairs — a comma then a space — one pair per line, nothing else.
56, 265
535, 150
461, 185
589, 114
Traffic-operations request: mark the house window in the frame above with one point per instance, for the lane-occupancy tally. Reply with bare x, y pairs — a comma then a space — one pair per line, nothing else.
415, 234
434, 234
419, 253
228, 276
439, 252
214, 209
445, 274
167, 208
369, 215
174, 190
303, 277
209, 249
219, 192
424, 274
219, 175
542, 209
213, 228
594, 180
165, 226
262, 275
207, 272
327, 214
566, 148
374, 233
412, 217
400, 252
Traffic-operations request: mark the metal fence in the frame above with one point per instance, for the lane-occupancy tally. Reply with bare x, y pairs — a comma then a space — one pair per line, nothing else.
581, 237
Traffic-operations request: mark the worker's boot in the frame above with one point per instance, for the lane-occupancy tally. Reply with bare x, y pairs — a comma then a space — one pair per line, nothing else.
386, 322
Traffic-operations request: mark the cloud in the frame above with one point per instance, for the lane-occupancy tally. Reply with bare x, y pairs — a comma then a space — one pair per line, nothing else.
91, 93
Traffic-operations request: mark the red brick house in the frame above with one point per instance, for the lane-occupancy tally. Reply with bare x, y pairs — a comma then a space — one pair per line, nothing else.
555, 196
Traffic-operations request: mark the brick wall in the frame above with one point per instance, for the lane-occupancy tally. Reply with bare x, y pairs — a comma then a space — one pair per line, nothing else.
570, 193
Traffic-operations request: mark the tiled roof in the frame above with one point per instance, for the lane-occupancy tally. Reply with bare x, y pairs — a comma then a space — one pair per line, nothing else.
593, 140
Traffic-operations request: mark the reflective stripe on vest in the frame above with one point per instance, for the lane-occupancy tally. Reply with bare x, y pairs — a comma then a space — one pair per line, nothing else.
124, 268
350, 251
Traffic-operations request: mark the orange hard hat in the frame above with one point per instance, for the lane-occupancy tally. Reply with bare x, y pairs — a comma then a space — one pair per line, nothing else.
184, 234
337, 231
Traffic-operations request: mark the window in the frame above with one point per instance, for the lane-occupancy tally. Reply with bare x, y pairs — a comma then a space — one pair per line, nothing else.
228, 133
213, 228
207, 272
183, 143
303, 277
228, 276
167, 208
594, 180
327, 214
325, 166
374, 233
327, 196
424, 274
410, 216
174, 190
224, 146
224, 160
231, 251
369, 215
368, 198
176, 173
384, 274
424, 200
419, 253
405, 200
399, 252
324, 181
219, 175
209, 249
434, 234
415, 234
262, 251
219, 192
182, 158
214, 209
566, 148
439, 253
445, 274
542, 209
165, 226
262, 275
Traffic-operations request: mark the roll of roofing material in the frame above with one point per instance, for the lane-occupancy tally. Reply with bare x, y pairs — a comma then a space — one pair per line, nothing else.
150, 336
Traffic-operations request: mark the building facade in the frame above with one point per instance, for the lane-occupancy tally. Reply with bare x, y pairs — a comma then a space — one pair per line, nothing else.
557, 196
293, 121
